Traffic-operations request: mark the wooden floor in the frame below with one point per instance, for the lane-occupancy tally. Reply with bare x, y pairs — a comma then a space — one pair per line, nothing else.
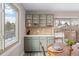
34, 54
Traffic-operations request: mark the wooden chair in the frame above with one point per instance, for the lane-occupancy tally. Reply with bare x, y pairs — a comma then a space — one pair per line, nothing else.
43, 49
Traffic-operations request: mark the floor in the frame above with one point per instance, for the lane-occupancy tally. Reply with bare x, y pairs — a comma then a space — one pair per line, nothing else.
75, 52
35, 54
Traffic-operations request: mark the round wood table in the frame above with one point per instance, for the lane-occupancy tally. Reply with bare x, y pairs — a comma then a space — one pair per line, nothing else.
53, 52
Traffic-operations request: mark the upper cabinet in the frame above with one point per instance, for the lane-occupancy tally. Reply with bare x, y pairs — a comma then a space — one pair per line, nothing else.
39, 20
28, 20
35, 20
42, 20
50, 21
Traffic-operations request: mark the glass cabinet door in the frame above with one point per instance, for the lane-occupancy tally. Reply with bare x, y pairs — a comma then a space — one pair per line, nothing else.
28, 22
42, 20
35, 20
49, 20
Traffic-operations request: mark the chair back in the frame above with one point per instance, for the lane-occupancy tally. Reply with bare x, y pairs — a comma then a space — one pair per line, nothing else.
42, 49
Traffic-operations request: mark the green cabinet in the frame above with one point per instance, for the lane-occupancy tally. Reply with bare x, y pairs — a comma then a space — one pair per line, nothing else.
27, 44
33, 43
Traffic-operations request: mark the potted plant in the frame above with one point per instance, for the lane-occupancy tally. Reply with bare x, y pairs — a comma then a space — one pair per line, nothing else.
71, 42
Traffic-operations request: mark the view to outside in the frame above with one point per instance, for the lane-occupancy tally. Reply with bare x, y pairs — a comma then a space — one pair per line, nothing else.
10, 25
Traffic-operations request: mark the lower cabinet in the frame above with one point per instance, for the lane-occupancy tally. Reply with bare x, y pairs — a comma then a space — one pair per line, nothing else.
33, 43
27, 44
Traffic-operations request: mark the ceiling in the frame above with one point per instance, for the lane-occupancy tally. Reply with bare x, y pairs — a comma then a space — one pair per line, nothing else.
54, 7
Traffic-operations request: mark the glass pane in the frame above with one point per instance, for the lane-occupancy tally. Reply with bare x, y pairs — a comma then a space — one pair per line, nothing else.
49, 20
10, 25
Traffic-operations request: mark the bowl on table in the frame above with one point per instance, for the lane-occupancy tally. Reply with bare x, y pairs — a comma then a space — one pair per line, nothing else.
57, 48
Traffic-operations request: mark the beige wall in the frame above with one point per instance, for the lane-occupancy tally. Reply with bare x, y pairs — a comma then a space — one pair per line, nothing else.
61, 14
18, 49
40, 30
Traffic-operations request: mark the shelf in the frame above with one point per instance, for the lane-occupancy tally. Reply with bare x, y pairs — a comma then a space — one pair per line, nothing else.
28, 16
42, 16
36, 17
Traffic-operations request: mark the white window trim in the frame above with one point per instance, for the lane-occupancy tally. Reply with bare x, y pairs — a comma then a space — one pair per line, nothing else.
2, 30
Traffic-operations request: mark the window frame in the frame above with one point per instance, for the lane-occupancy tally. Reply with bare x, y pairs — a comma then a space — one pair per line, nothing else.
3, 26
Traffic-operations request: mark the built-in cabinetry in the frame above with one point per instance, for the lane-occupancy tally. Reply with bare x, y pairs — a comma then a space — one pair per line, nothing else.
41, 20
27, 44
33, 43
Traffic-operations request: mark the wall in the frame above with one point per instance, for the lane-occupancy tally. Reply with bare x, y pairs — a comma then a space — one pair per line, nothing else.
61, 14
18, 49
40, 30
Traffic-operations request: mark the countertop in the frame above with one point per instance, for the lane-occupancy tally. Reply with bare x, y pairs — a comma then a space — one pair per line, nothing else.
38, 35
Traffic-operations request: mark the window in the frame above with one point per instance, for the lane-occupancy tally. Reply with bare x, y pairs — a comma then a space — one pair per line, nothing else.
8, 25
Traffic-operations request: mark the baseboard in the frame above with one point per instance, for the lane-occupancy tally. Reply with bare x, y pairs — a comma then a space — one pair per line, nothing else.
22, 54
